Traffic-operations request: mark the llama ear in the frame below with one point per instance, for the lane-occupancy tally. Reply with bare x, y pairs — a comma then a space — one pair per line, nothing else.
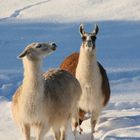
96, 29
81, 29
24, 53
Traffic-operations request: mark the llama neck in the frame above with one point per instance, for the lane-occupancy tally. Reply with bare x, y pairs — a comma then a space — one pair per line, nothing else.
87, 59
32, 74
87, 65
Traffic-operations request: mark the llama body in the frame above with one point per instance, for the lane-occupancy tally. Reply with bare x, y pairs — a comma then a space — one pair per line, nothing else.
44, 101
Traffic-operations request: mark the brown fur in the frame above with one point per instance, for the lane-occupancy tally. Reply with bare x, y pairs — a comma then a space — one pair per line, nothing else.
105, 85
70, 63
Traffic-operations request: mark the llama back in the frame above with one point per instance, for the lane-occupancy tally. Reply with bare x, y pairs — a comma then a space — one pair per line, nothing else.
70, 63
105, 84
60, 82
62, 94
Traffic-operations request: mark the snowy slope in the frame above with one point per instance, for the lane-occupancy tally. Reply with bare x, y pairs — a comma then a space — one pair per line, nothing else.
118, 49
71, 10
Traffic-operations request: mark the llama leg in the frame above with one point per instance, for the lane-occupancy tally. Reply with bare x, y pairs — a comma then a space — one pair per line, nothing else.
93, 123
81, 115
57, 134
25, 131
63, 132
41, 131
74, 125
81, 118
77, 120
94, 119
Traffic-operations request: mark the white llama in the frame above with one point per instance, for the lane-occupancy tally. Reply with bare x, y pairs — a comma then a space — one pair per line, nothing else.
92, 77
44, 101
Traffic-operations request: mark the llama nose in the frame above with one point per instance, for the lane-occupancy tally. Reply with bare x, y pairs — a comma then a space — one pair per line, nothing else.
89, 43
54, 46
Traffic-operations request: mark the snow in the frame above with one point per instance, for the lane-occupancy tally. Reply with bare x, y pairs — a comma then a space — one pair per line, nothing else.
70, 11
26, 21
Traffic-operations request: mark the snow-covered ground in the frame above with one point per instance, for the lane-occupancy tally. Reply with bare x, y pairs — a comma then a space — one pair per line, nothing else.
118, 49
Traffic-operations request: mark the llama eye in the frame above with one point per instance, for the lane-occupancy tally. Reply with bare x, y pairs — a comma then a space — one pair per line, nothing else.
83, 38
93, 38
38, 46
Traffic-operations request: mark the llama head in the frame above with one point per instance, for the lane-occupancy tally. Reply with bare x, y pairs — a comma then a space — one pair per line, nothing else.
88, 39
35, 51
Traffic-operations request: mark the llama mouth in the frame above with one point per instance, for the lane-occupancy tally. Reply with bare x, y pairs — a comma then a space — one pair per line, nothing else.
45, 49
93, 47
54, 47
